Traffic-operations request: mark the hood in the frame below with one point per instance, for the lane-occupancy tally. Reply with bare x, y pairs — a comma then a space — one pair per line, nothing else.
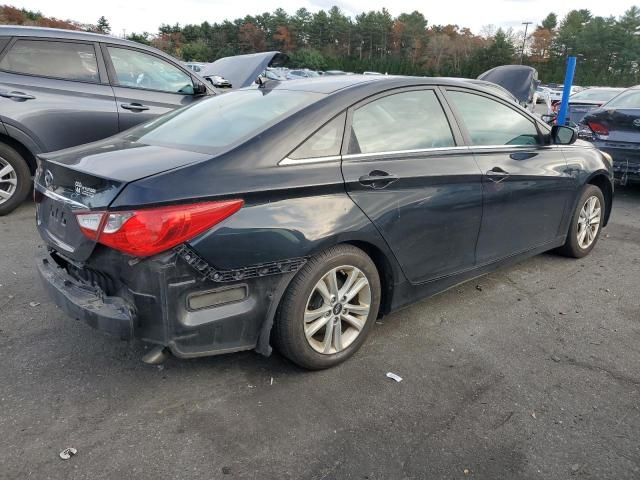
520, 80
242, 70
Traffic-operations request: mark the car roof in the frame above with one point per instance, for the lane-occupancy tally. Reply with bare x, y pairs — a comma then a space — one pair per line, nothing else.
330, 84
22, 31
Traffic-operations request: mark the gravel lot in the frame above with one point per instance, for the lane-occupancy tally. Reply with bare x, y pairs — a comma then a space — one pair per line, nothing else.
531, 372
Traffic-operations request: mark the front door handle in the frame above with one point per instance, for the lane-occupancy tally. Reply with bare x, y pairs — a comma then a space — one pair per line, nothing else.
377, 179
497, 174
136, 107
17, 95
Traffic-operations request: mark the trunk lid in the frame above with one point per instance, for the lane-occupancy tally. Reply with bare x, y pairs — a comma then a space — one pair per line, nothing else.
623, 123
90, 178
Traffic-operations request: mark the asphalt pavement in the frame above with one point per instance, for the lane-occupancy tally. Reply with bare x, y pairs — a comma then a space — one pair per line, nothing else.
532, 372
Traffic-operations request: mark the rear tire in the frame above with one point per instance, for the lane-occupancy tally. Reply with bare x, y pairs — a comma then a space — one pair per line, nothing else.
15, 179
586, 223
321, 322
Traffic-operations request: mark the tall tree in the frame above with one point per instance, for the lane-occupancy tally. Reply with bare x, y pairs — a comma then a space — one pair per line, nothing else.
103, 26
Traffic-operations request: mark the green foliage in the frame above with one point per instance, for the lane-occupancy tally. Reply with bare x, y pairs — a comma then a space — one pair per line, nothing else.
103, 26
308, 58
608, 48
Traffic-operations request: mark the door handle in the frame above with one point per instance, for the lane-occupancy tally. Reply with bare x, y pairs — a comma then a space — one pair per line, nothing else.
17, 95
497, 174
377, 179
134, 106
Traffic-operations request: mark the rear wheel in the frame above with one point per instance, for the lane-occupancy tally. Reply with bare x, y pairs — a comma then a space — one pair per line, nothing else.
586, 223
15, 179
329, 308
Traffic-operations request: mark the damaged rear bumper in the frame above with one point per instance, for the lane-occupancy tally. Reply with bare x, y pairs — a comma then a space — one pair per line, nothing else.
173, 299
83, 302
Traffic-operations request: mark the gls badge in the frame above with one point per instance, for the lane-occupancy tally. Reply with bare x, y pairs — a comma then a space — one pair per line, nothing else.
82, 190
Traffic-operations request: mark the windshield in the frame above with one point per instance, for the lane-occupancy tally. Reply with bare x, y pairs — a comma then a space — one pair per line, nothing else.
216, 123
601, 95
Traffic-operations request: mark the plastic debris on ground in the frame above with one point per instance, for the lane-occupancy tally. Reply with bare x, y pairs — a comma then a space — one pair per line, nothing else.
393, 376
67, 453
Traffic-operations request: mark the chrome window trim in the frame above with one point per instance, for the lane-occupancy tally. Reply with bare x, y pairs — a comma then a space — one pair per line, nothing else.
404, 152
303, 161
507, 147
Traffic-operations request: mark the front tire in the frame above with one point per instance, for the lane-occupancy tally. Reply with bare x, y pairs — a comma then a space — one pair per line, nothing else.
15, 179
329, 308
586, 223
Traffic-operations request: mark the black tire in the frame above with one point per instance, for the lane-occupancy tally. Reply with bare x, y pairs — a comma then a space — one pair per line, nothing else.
572, 248
23, 177
288, 333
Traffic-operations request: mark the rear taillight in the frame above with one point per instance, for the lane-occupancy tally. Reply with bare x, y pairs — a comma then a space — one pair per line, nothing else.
149, 231
598, 128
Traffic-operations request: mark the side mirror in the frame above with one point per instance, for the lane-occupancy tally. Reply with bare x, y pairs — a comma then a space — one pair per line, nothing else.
199, 88
561, 135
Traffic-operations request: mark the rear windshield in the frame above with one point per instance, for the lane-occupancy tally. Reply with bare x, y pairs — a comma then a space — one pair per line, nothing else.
214, 124
628, 99
600, 95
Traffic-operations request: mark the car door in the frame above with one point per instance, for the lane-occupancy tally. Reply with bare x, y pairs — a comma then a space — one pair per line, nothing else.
405, 168
56, 92
527, 186
145, 85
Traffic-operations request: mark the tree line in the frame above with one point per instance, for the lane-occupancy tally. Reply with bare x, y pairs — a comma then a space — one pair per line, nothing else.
608, 48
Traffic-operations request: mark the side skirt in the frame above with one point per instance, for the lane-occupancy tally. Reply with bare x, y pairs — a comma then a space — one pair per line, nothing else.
407, 293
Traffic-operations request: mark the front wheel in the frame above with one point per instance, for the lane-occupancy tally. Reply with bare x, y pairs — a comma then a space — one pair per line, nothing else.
586, 223
329, 308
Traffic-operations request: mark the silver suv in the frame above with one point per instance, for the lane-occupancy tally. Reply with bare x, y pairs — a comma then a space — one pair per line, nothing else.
62, 88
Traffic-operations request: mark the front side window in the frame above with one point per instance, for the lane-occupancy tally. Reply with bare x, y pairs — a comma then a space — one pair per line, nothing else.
325, 142
218, 122
491, 123
65, 60
140, 70
402, 121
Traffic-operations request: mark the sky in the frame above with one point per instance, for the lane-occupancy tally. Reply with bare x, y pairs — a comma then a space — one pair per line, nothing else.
147, 15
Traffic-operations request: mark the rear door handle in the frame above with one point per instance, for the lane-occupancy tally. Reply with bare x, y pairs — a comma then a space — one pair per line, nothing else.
17, 95
377, 179
134, 106
497, 174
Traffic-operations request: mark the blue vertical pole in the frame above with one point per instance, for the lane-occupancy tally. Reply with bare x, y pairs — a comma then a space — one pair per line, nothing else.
568, 81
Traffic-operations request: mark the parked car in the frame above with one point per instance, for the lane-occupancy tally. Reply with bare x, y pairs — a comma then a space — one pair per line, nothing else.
240, 71
304, 73
615, 128
62, 88
543, 95
334, 72
371, 73
520, 80
306, 210
587, 100
196, 67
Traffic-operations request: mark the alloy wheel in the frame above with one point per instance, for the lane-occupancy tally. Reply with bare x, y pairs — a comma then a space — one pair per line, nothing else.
589, 222
8, 181
337, 309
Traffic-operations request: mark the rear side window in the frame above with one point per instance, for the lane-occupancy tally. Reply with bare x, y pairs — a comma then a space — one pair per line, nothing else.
628, 99
492, 123
402, 121
65, 60
326, 142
